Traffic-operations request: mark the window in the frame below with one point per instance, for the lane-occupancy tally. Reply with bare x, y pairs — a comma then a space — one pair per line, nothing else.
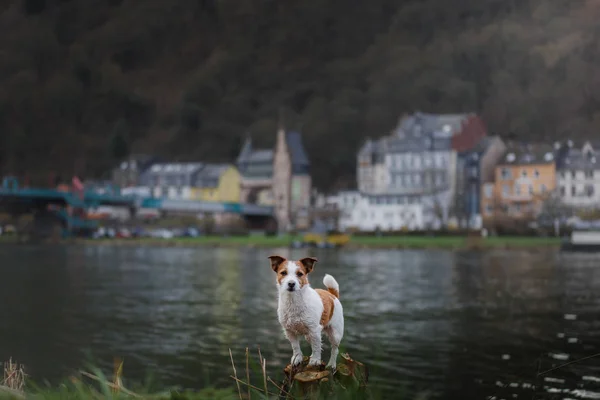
440, 160
530, 189
573, 174
543, 188
563, 191
590, 190
524, 173
505, 173
417, 161
488, 209
488, 191
517, 189
536, 173
573, 191
517, 207
589, 174
505, 190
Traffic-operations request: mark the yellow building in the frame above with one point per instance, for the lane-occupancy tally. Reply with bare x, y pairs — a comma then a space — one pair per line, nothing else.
523, 179
217, 182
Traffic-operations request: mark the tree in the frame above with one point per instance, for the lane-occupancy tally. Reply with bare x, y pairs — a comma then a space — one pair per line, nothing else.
436, 199
553, 211
119, 142
191, 76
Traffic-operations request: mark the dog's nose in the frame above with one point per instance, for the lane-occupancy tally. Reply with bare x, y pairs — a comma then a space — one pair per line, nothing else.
291, 285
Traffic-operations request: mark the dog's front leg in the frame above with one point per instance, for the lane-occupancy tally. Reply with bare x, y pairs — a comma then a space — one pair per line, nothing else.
297, 351
314, 338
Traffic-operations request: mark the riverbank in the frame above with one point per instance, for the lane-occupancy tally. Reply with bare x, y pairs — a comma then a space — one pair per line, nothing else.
356, 242
349, 382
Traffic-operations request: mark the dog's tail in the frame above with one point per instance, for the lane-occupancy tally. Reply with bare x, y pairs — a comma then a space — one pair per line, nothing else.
331, 285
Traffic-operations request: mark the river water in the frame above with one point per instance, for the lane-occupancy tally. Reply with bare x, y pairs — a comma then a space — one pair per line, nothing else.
455, 325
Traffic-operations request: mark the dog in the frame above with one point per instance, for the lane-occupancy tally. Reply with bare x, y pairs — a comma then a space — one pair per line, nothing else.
304, 311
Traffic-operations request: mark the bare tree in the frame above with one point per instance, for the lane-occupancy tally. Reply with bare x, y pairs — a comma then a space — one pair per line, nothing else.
433, 191
553, 211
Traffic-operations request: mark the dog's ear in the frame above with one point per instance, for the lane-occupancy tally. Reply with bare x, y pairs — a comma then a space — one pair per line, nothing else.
276, 261
309, 263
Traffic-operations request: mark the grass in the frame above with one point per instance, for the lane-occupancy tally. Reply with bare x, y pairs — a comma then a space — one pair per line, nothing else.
346, 384
454, 241
383, 242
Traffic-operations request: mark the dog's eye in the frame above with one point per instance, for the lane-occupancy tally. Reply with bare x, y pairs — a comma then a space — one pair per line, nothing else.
284, 273
299, 274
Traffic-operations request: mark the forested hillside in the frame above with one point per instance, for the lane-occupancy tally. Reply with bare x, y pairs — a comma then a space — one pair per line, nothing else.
84, 82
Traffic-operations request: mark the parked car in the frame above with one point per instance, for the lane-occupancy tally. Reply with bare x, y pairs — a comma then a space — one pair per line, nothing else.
123, 233
162, 234
192, 232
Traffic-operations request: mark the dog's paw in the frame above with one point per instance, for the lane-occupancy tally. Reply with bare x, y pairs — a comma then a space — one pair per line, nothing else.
331, 366
314, 362
297, 359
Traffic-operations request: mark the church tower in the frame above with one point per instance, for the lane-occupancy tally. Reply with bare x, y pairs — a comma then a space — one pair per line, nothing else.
282, 173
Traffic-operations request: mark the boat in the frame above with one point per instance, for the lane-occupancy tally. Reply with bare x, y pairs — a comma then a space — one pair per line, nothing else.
583, 238
321, 237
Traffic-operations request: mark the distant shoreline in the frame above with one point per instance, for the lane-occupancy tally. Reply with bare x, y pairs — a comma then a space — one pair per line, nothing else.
356, 242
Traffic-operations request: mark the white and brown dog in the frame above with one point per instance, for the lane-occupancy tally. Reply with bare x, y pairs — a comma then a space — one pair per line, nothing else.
304, 311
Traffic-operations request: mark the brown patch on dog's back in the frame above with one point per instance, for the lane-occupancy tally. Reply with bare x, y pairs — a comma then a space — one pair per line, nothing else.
302, 274
328, 305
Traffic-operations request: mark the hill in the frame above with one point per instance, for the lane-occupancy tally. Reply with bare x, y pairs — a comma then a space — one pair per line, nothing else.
84, 82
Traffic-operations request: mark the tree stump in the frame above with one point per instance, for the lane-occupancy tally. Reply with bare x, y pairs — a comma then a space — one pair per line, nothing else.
312, 382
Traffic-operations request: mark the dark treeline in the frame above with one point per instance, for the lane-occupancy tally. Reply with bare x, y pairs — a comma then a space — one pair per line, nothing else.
83, 83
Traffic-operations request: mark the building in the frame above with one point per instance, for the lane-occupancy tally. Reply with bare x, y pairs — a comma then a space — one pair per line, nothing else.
355, 211
578, 175
475, 167
417, 164
372, 174
171, 180
279, 177
217, 182
385, 213
341, 206
193, 181
524, 178
129, 171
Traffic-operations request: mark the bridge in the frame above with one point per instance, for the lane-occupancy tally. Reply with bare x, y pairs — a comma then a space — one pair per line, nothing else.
70, 207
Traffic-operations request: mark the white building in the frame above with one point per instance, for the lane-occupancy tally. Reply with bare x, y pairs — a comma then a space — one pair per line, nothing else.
171, 180
416, 165
384, 213
578, 176
360, 212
